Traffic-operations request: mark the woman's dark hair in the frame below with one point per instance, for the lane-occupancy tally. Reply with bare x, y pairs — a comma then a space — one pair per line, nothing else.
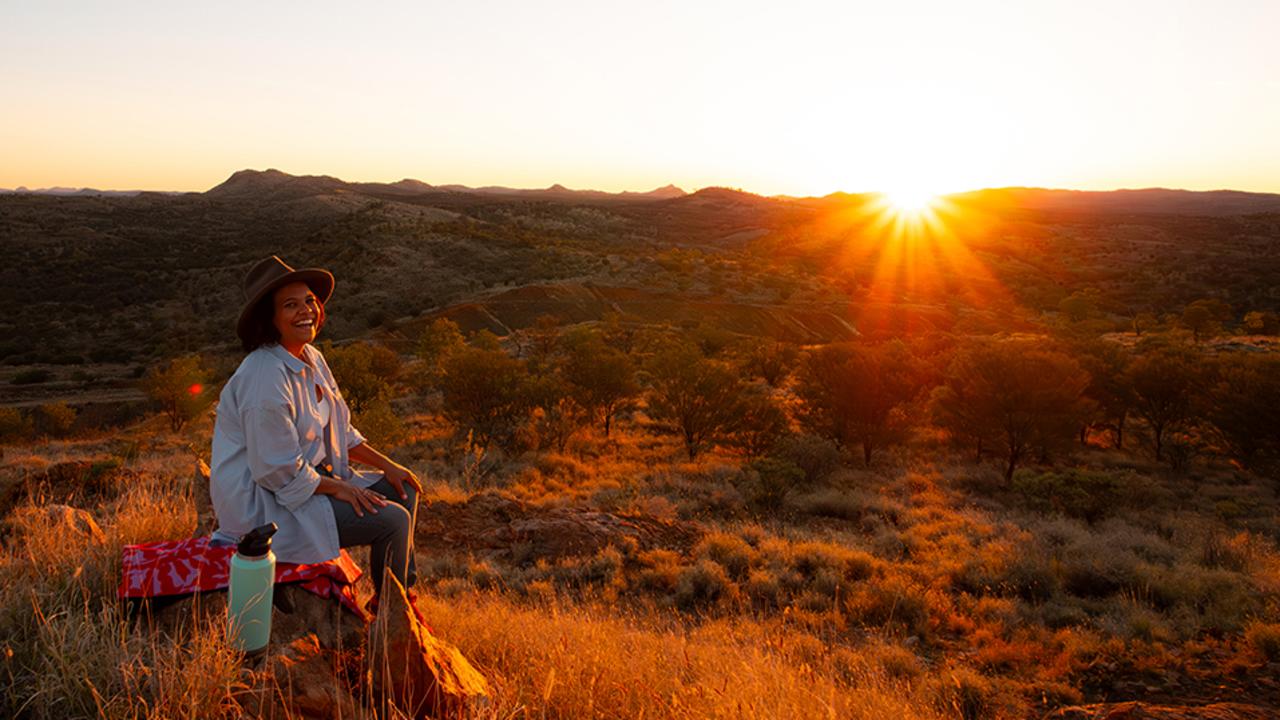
261, 328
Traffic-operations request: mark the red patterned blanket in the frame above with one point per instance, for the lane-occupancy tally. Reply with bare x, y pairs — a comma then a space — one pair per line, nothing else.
182, 567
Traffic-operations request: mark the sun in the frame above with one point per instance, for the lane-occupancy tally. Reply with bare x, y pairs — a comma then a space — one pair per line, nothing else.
910, 201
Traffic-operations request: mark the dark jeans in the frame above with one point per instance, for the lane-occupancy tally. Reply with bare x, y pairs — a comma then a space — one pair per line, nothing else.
389, 532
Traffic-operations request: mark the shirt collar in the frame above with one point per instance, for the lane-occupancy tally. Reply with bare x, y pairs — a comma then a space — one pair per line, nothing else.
290, 361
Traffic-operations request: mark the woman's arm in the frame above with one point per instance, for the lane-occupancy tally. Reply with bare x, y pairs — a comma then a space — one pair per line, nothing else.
395, 473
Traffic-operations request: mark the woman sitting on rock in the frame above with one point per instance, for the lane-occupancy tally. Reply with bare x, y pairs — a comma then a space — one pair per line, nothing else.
283, 440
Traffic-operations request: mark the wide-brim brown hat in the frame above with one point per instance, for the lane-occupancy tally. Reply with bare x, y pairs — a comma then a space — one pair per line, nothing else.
268, 275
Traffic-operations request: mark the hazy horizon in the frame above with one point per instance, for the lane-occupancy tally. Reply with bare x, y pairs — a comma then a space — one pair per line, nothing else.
445, 183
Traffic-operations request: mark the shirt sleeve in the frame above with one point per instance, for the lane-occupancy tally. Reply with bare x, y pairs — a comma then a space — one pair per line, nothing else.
275, 455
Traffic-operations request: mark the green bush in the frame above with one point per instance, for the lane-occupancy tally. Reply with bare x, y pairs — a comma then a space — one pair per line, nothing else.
33, 376
1084, 494
815, 456
703, 585
14, 425
766, 481
178, 387
379, 423
1265, 638
55, 419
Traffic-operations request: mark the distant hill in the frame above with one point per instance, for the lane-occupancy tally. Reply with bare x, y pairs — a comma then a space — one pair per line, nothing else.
166, 268
280, 185
84, 192
1147, 201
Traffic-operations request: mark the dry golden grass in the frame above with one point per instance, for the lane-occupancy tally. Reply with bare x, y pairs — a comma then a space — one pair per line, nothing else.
582, 661
912, 590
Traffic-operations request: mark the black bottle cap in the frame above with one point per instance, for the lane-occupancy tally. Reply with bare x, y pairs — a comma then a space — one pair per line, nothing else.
257, 542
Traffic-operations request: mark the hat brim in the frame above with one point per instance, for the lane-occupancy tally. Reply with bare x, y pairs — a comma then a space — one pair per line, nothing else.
319, 280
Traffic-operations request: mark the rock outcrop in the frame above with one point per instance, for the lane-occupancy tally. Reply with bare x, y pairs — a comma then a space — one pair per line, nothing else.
302, 682
74, 521
206, 521
419, 674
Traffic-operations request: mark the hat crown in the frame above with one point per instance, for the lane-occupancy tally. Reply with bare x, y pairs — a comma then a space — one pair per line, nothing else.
267, 271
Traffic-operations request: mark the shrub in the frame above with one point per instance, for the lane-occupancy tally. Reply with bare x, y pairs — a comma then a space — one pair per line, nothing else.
1265, 638
892, 601
178, 388
704, 584
364, 372
55, 419
379, 423
766, 481
764, 588
14, 425
659, 571
730, 551
486, 392
815, 456
33, 376
1088, 495
964, 693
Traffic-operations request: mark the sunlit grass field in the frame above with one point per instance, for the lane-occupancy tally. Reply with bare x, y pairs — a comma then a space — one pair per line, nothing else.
921, 587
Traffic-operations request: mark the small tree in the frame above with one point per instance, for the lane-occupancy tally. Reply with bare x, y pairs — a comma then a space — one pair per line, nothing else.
366, 374
1243, 406
762, 424
438, 341
485, 392
772, 360
1162, 382
602, 379
179, 388
697, 395
1106, 362
557, 415
1198, 320
1013, 394
855, 394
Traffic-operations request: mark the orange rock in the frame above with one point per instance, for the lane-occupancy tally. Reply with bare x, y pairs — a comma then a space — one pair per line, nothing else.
306, 685
420, 674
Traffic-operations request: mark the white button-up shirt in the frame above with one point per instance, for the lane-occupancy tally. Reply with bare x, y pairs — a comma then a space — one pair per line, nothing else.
267, 439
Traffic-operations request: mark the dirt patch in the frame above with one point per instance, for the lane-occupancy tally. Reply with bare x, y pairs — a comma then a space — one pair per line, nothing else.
498, 526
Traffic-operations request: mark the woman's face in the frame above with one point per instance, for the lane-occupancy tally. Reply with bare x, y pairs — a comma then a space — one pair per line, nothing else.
298, 315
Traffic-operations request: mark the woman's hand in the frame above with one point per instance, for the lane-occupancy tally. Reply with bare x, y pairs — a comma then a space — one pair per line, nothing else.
394, 472
360, 498
398, 475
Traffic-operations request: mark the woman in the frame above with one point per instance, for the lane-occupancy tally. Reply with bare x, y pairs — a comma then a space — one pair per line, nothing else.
283, 440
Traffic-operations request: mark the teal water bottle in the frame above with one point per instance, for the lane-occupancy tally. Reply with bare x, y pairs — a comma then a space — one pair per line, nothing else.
253, 579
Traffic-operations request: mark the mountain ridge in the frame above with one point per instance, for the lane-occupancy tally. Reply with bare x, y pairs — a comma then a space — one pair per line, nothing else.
280, 185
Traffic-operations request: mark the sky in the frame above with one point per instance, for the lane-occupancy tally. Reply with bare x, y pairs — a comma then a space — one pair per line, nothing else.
798, 98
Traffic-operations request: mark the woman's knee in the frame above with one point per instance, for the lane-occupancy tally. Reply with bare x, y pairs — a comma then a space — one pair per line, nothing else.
395, 518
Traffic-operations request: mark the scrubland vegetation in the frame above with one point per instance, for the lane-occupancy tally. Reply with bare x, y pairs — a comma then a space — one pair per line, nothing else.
959, 527
1038, 469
